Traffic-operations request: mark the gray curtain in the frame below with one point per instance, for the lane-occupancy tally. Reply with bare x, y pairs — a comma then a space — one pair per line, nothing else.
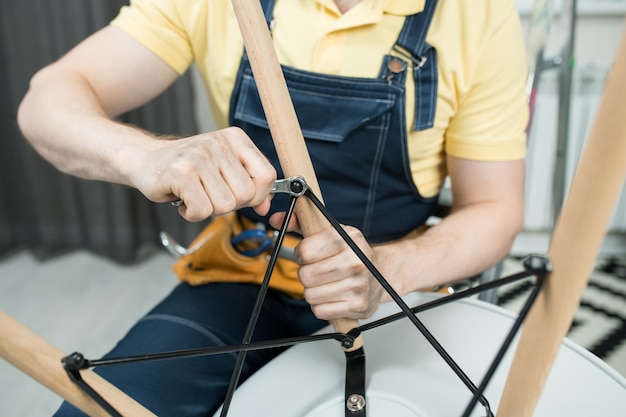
46, 211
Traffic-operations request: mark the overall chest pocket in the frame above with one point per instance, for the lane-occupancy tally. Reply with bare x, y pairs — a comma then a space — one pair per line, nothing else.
327, 110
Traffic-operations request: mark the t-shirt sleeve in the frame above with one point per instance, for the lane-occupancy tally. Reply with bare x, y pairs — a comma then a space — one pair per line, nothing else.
155, 24
492, 116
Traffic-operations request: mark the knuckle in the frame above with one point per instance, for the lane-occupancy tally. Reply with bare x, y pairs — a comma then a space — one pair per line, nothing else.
197, 215
361, 307
225, 205
356, 269
267, 176
247, 193
196, 208
317, 312
235, 131
219, 146
184, 168
212, 141
301, 253
304, 276
361, 288
355, 233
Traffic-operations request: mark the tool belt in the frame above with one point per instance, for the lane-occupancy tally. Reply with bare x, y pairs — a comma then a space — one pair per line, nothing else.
211, 257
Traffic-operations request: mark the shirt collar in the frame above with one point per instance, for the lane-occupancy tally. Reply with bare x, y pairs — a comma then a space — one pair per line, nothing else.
395, 7
401, 7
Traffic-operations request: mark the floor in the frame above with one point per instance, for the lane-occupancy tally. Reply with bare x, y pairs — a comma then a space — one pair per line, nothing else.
78, 302
81, 302
599, 323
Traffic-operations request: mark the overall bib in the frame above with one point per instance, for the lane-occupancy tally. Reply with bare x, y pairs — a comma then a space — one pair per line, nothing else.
355, 131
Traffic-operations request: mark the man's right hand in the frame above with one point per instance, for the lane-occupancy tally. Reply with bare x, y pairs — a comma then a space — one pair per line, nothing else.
212, 173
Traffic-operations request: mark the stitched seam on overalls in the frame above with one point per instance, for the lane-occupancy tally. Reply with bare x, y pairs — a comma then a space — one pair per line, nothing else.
246, 81
320, 77
189, 324
433, 96
380, 150
424, 118
342, 96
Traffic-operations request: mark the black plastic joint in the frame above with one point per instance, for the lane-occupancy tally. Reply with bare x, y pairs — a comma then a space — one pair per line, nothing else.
538, 264
75, 362
296, 187
347, 342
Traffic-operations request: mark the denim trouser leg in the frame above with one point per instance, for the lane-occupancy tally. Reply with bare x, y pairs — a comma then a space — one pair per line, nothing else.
192, 317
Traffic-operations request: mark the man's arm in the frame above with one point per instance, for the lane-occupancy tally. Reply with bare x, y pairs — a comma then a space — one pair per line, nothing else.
68, 114
487, 214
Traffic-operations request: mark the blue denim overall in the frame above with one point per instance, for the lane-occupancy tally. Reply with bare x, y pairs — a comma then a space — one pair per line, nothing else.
355, 130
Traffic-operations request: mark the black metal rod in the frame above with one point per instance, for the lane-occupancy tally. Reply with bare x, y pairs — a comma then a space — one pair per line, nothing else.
506, 344
256, 312
448, 299
76, 377
213, 350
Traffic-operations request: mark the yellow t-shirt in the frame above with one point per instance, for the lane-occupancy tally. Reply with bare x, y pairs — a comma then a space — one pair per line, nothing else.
481, 106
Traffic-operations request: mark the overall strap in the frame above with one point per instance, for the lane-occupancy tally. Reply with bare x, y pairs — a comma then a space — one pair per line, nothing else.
268, 8
424, 57
413, 35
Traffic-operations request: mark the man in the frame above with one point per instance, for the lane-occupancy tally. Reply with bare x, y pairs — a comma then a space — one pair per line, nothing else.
392, 96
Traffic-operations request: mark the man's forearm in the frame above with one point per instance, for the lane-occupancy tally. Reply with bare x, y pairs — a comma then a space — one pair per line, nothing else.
464, 244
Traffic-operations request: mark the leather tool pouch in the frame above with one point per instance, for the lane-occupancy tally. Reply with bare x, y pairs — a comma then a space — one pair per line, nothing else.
212, 258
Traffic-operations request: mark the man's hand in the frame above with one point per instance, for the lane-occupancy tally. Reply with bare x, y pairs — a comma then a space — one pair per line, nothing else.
336, 283
213, 173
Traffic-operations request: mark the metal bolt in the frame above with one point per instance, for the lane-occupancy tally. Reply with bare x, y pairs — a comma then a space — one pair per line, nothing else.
537, 264
296, 187
355, 403
347, 342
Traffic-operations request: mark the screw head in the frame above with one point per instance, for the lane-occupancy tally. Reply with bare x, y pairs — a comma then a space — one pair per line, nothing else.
355, 403
296, 186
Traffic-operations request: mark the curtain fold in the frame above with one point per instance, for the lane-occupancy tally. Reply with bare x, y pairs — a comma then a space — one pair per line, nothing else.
42, 209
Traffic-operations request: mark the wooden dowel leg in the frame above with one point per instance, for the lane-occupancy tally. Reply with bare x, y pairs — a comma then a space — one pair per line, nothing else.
283, 122
577, 238
40, 360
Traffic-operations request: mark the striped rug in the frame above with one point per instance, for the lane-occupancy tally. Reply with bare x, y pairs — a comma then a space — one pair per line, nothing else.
600, 322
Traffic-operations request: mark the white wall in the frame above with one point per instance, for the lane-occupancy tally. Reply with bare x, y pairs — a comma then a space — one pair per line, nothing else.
599, 29
599, 26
